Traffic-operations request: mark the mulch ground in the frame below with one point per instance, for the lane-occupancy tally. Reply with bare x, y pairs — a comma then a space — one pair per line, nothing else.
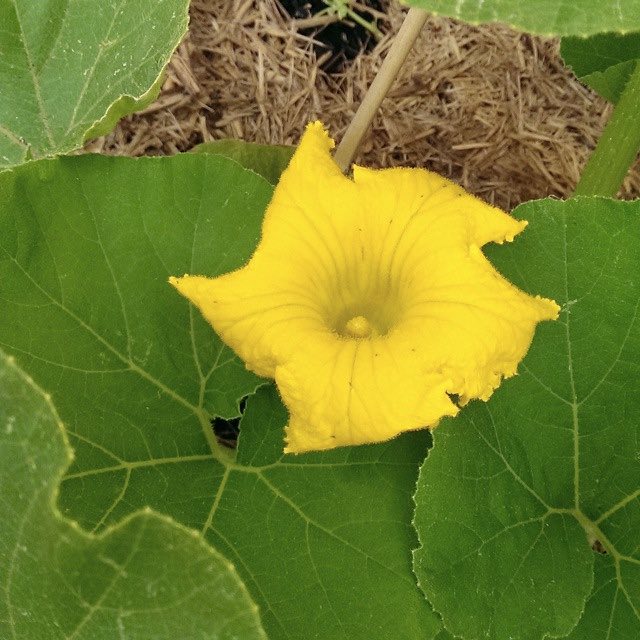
489, 107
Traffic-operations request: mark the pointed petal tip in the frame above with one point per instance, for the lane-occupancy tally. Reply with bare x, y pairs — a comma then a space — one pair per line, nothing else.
310, 165
519, 227
317, 131
550, 310
505, 228
179, 282
194, 288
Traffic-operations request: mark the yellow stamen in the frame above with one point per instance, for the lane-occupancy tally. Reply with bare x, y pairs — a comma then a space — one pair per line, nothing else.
358, 327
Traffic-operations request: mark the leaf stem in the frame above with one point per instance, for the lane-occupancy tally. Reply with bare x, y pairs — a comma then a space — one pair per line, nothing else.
618, 145
369, 26
409, 31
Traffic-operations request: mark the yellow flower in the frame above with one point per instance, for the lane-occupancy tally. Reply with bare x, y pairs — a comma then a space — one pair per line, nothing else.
368, 300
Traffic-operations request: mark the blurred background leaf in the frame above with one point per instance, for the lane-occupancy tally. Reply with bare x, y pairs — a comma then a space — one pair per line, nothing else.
145, 578
603, 62
70, 69
545, 17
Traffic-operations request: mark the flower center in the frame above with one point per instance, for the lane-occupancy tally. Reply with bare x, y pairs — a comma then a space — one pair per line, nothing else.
360, 318
364, 298
358, 327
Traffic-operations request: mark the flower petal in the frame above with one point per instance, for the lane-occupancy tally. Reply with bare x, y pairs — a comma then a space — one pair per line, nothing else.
409, 190
345, 392
260, 322
475, 326
264, 309
369, 300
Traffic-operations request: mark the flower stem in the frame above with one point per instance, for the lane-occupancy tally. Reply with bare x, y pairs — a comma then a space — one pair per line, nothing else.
409, 31
618, 145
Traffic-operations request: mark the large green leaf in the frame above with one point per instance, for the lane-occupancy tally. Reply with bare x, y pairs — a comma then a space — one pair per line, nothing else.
547, 17
86, 246
70, 69
517, 491
147, 577
269, 161
604, 62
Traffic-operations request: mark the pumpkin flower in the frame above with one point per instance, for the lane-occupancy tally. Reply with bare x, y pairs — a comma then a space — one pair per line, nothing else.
369, 301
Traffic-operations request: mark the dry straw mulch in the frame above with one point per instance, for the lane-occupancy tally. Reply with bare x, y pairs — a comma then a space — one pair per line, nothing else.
489, 107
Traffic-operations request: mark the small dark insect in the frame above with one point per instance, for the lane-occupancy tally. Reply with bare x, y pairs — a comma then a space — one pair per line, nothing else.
227, 431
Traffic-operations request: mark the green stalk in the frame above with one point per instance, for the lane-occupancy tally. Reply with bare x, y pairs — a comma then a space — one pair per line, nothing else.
407, 35
371, 28
618, 146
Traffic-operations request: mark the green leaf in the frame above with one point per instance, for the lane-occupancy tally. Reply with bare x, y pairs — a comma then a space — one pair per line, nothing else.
322, 541
72, 69
344, 519
146, 577
517, 490
445, 635
268, 161
603, 62
608, 614
546, 17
